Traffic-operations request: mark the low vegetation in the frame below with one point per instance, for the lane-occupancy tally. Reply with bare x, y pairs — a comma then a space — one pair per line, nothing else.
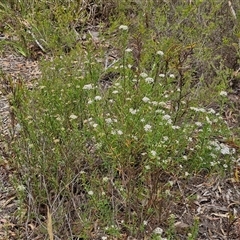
133, 95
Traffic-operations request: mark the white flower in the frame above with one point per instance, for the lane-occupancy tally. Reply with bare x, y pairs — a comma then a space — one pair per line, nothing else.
119, 132
123, 27
164, 104
208, 120
213, 164
72, 116
21, 188
117, 84
90, 101
88, 87
202, 110
143, 75
211, 110
161, 53
147, 167
108, 120
224, 149
161, 75
105, 179
165, 138
88, 120
135, 137
56, 140
169, 121
198, 109
90, 193
97, 98
153, 153
154, 103
199, 124
215, 144
166, 117
146, 99
148, 128
149, 80
160, 111
223, 93
115, 92
104, 238
213, 155
133, 111
94, 125
171, 75
145, 223
128, 50
158, 231
171, 183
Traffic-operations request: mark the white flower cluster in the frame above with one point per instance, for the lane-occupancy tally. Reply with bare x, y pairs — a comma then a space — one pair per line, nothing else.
118, 132
98, 98
223, 148
133, 111
195, 109
167, 118
72, 116
223, 93
148, 128
160, 53
123, 27
149, 80
146, 99
88, 87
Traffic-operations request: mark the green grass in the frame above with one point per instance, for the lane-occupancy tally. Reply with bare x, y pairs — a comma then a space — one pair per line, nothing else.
101, 160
